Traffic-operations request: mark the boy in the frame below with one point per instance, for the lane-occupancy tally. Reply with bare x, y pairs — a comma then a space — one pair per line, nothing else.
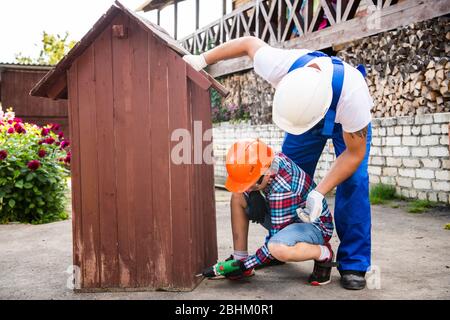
255, 173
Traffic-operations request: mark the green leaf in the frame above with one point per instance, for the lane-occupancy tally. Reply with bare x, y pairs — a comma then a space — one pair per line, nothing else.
19, 184
16, 173
28, 185
12, 203
30, 176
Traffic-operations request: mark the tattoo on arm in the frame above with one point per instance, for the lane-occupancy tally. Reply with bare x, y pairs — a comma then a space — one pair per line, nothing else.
361, 133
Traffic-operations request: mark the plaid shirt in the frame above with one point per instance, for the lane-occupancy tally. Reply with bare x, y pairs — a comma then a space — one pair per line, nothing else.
286, 193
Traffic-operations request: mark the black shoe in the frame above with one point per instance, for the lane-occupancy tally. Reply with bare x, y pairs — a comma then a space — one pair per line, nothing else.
353, 280
322, 270
271, 263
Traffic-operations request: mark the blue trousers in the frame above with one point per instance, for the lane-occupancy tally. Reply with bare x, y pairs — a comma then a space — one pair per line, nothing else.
352, 207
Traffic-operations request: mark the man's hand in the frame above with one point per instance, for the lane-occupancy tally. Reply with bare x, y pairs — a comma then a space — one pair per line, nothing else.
197, 62
313, 206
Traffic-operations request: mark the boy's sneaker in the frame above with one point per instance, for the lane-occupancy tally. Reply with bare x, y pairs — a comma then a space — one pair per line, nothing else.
322, 270
247, 273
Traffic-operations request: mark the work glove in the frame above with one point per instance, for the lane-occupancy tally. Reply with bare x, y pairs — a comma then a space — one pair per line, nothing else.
313, 208
197, 62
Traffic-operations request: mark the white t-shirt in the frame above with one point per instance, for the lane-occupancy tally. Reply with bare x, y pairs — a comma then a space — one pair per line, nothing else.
355, 103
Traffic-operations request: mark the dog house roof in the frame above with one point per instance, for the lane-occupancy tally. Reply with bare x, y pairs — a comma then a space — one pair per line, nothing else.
57, 76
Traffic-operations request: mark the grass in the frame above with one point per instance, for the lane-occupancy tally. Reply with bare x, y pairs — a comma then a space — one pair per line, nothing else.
382, 194
386, 194
447, 226
420, 206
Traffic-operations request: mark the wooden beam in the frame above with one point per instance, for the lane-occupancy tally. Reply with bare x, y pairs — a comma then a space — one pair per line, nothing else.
175, 15
230, 66
224, 7
403, 13
199, 78
58, 88
158, 17
197, 14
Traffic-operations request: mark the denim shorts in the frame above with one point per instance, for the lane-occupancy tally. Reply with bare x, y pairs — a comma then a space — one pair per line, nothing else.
298, 232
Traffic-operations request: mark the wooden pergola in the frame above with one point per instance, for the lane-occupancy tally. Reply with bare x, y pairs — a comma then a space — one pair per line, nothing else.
151, 5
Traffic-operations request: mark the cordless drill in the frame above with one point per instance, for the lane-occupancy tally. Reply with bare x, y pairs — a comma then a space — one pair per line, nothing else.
230, 268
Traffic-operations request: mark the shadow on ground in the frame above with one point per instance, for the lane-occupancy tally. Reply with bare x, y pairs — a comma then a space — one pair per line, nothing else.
411, 252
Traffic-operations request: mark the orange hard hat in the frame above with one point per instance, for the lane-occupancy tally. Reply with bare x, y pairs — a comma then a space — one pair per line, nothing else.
247, 161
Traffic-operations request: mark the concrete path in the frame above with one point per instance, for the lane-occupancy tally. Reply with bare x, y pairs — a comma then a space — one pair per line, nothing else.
411, 253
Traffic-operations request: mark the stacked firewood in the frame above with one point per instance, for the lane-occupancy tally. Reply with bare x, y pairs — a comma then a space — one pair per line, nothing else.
408, 68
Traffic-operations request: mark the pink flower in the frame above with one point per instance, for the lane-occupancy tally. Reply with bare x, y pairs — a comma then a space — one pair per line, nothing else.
45, 132
65, 144
11, 130
68, 158
10, 122
34, 165
19, 128
55, 127
42, 153
18, 120
61, 135
49, 140
3, 154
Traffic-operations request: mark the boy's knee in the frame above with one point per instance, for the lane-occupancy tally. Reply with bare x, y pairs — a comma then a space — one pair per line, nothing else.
238, 199
279, 251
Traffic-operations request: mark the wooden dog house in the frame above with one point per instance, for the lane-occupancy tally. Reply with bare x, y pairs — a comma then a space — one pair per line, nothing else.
139, 220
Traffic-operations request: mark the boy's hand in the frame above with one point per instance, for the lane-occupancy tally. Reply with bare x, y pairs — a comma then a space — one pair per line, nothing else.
197, 62
314, 205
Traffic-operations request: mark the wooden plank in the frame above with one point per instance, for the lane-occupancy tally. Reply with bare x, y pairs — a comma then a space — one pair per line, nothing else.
75, 169
140, 134
160, 161
89, 168
195, 249
123, 122
329, 11
109, 260
205, 188
180, 180
350, 9
391, 17
203, 211
199, 78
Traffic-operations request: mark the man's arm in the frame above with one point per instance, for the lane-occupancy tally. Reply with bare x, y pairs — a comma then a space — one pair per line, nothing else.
347, 163
228, 50
233, 49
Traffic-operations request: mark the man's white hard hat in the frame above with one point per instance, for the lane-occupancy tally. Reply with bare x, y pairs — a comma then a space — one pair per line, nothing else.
302, 98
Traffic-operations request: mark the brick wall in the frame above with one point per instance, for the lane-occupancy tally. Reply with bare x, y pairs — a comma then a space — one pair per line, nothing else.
411, 153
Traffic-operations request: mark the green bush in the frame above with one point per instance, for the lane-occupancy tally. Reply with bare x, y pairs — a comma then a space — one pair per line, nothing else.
381, 193
33, 171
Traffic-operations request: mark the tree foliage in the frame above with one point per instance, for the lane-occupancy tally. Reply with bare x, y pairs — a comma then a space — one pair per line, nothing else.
54, 48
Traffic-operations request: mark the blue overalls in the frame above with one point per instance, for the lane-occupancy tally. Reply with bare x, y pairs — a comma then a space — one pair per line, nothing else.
352, 207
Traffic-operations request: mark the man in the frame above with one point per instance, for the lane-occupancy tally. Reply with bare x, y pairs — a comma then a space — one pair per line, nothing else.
317, 98
272, 188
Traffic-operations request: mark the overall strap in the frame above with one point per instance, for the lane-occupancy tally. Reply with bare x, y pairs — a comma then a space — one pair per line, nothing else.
337, 83
305, 59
